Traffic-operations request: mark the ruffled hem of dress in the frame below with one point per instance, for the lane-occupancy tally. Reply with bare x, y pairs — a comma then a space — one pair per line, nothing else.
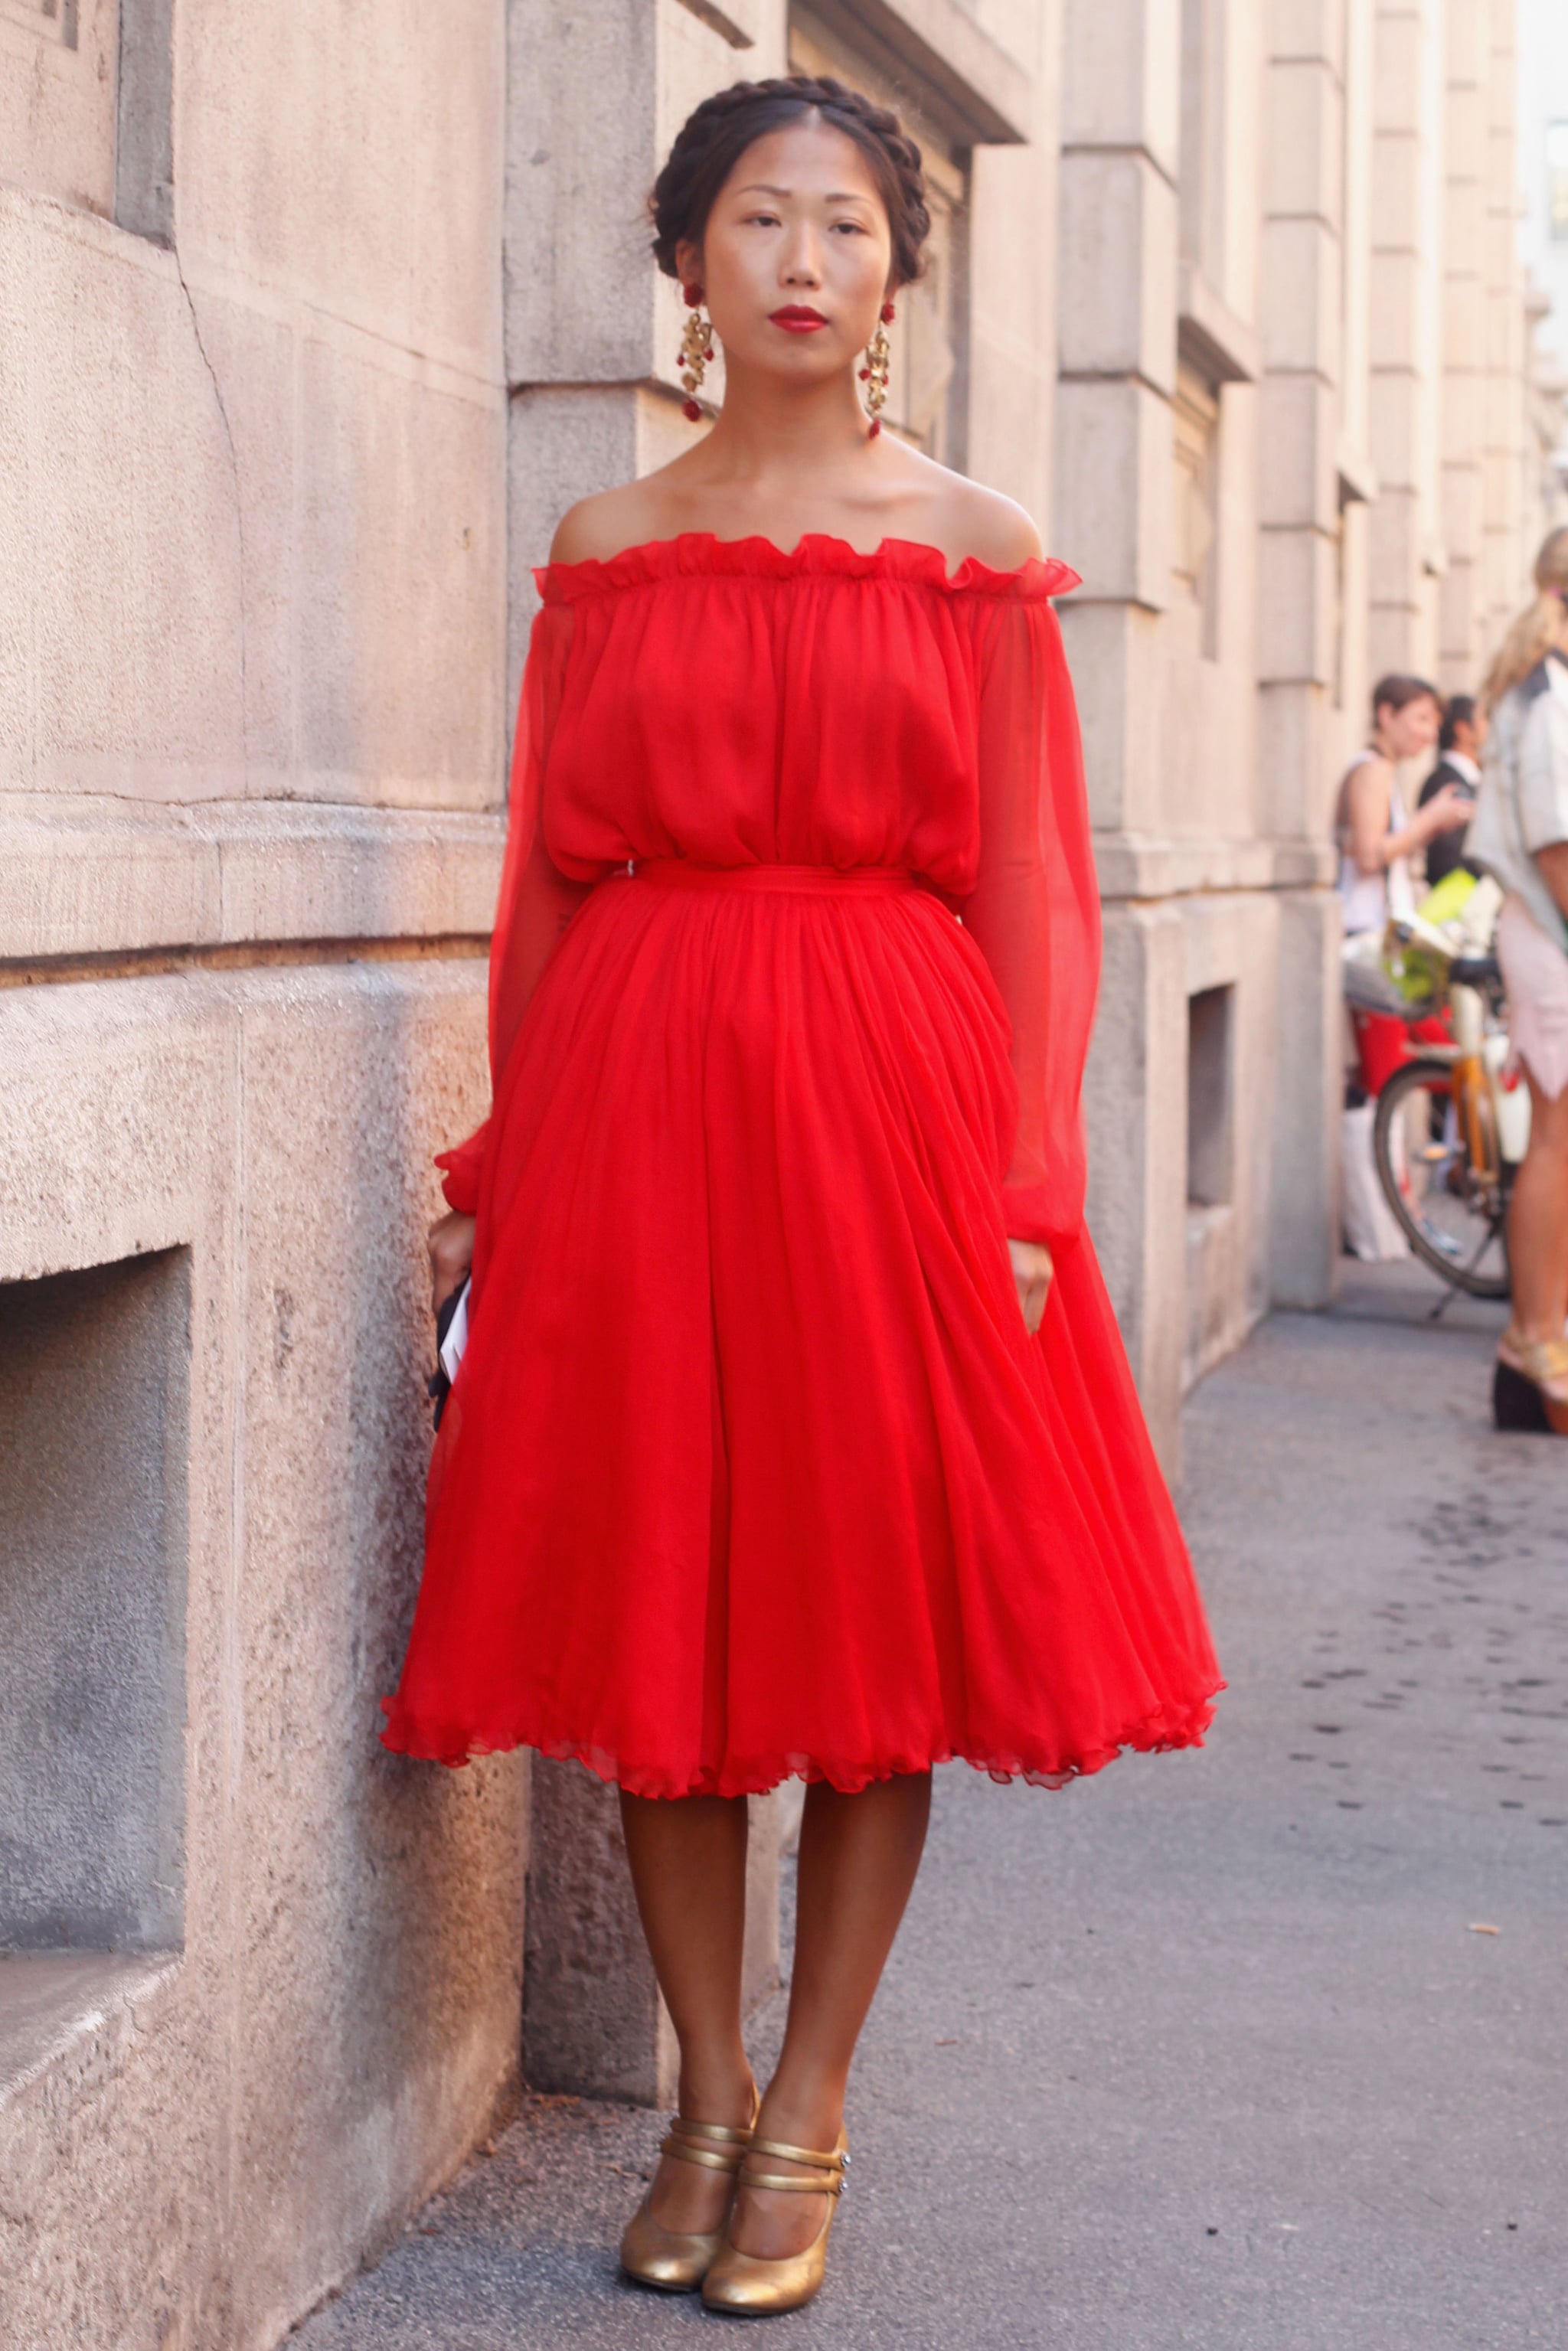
1166, 1729
698, 554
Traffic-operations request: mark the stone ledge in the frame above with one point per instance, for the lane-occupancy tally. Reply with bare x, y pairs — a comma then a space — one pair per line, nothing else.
1134, 866
52, 2003
94, 878
1223, 345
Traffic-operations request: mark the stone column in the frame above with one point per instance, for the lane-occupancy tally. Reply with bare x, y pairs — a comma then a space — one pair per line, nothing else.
1506, 561
1461, 650
1407, 282
1315, 479
1116, 355
594, 95
1306, 453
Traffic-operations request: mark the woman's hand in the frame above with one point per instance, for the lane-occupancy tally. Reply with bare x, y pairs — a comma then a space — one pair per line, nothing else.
1445, 811
1032, 1269
451, 1243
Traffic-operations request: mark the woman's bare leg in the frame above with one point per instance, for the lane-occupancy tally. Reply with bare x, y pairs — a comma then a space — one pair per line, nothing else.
859, 1855
1538, 1223
688, 1870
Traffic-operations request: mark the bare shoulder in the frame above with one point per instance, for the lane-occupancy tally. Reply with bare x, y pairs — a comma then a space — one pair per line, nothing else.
1371, 774
965, 518
996, 531
596, 528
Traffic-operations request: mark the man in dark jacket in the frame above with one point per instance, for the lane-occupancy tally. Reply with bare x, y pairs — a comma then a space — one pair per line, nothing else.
1459, 748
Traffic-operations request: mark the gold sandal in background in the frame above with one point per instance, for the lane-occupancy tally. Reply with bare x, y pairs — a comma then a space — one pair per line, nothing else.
676, 2261
1530, 1388
750, 2287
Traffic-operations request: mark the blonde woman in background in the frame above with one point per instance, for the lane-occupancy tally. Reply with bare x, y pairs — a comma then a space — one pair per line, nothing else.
1521, 835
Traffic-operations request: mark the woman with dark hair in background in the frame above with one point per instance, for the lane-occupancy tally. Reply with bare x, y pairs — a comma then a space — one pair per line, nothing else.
1520, 836
1376, 842
794, 1435
1376, 838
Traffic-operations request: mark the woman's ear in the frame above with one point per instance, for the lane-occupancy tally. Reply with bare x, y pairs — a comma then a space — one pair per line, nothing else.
689, 263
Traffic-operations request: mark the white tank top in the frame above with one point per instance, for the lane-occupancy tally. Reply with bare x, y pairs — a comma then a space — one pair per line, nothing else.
1369, 900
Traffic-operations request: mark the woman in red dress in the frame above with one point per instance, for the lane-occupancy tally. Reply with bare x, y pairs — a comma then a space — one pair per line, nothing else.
794, 1436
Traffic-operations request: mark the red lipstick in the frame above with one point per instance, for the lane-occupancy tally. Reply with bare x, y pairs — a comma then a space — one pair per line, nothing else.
795, 319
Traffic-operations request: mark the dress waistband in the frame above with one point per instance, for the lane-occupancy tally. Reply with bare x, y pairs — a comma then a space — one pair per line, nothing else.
681, 873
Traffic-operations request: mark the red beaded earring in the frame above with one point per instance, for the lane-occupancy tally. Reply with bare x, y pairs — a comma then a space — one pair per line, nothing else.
874, 375
696, 351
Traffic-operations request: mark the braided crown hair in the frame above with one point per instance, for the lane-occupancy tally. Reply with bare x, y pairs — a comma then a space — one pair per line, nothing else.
715, 135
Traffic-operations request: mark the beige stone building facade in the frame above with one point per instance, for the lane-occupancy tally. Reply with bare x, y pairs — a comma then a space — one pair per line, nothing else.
312, 324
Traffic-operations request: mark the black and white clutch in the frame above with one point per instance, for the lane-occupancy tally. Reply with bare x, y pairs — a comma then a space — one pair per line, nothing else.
451, 1338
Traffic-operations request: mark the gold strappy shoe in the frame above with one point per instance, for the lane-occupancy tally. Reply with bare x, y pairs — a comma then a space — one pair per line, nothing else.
750, 2287
667, 2258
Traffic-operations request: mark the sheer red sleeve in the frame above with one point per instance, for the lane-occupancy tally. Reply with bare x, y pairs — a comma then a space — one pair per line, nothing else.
1035, 910
537, 900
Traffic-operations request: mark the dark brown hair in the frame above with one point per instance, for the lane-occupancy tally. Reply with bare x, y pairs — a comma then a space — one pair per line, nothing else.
716, 134
1460, 712
1397, 692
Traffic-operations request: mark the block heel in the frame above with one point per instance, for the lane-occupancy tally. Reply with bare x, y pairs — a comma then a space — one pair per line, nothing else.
1517, 1403
1529, 1386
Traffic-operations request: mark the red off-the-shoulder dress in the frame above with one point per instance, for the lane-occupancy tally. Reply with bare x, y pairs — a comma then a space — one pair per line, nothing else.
751, 1468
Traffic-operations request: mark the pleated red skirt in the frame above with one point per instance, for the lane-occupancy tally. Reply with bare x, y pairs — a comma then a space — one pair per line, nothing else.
752, 1468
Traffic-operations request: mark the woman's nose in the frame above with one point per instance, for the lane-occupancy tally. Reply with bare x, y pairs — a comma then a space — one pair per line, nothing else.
802, 262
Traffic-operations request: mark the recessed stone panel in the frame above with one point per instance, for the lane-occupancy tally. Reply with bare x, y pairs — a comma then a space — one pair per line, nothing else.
93, 1446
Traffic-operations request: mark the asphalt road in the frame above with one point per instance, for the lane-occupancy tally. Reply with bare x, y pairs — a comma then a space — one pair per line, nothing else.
1205, 2051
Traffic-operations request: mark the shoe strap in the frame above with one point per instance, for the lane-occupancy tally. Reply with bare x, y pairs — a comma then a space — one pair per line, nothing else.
730, 2159
829, 2168
831, 2183
715, 2146
1546, 1360
829, 2162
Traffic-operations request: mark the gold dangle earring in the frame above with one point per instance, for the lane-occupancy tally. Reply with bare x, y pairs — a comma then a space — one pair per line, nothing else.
696, 351
874, 375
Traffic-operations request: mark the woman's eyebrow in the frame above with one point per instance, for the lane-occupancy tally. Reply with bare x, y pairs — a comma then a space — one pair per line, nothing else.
837, 196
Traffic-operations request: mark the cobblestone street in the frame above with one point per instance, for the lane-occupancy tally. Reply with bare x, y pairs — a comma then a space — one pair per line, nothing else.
1261, 2049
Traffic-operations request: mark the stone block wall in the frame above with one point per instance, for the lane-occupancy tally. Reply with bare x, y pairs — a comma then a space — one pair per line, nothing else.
263, 1984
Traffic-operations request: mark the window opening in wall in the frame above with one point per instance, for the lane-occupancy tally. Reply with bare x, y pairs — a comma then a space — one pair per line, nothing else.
927, 387
1195, 563
1210, 1122
1557, 180
144, 132
94, 1443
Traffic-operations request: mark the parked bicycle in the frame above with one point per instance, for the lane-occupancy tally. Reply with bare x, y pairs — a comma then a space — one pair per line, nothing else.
1450, 1133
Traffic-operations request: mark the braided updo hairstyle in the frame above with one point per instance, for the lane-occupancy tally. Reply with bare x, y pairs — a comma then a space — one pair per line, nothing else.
716, 134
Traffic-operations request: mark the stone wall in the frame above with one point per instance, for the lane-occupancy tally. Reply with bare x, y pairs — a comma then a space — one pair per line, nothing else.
262, 1986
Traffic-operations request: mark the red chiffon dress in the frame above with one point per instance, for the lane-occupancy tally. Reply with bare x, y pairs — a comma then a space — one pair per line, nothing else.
751, 1468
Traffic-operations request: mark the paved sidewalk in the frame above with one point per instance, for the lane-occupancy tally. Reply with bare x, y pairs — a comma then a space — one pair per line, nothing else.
1204, 2052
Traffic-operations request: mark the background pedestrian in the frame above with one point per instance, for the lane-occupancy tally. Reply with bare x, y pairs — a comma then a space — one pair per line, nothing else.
1521, 835
1460, 744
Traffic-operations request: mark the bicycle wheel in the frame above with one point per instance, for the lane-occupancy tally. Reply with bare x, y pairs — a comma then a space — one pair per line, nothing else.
1451, 1214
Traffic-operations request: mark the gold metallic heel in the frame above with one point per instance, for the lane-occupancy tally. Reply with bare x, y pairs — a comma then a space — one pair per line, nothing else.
749, 2287
674, 2261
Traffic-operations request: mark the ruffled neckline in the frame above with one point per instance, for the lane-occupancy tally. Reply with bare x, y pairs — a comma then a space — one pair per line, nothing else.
698, 554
